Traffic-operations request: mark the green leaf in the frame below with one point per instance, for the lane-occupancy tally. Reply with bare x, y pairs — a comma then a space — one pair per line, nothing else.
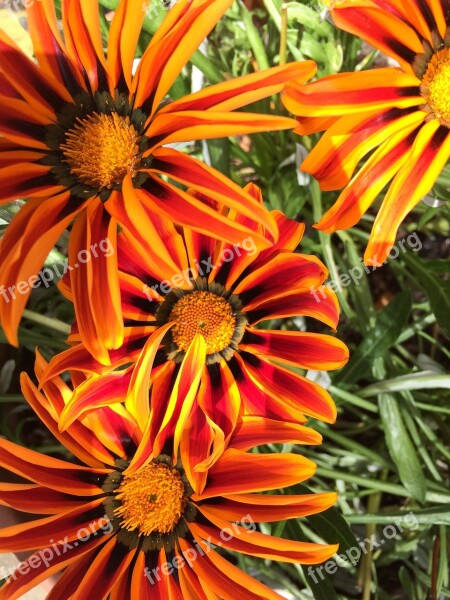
330, 525
320, 583
254, 37
401, 448
434, 515
389, 324
219, 153
437, 290
425, 380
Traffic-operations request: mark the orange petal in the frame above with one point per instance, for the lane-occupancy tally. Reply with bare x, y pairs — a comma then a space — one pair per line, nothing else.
41, 532
36, 499
338, 153
82, 33
267, 508
95, 282
241, 91
369, 181
297, 348
225, 579
197, 175
23, 249
138, 399
299, 393
171, 48
259, 544
428, 157
122, 40
183, 126
256, 431
237, 472
50, 472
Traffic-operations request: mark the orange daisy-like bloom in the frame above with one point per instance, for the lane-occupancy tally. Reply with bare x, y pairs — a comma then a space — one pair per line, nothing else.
191, 305
83, 138
401, 114
130, 527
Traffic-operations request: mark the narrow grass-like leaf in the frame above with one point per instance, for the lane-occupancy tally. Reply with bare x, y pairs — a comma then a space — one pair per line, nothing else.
437, 290
400, 447
389, 324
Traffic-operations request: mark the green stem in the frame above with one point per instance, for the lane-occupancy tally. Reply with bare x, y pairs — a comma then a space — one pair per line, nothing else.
54, 324
283, 38
327, 248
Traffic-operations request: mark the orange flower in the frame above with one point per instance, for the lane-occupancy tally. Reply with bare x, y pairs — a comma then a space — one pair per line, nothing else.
84, 139
401, 114
191, 306
132, 526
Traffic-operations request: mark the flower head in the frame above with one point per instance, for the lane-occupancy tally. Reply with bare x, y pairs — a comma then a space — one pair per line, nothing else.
84, 139
191, 307
401, 114
129, 525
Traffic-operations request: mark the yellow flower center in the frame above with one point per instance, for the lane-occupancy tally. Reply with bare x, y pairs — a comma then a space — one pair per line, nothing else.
101, 149
436, 84
205, 313
152, 499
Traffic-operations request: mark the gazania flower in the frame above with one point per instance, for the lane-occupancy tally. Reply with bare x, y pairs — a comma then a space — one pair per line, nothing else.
84, 139
191, 307
401, 115
130, 526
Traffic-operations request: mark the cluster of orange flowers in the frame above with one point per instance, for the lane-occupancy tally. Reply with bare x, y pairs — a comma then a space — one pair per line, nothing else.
168, 380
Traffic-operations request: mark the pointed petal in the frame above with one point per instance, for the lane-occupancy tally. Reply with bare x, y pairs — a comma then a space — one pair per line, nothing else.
354, 93
82, 33
105, 571
225, 579
267, 508
199, 176
80, 441
147, 237
40, 90
324, 307
36, 499
241, 91
94, 393
31, 575
39, 533
122, 41
298, 348
237, 472
26, 180
183, 395
296, 391
382, 30
428, 157
171, 48
95, 282
138, 398
184, 126
338, 153
257, 431
49, 49
24, 247
369, 181
52, 473
264, 546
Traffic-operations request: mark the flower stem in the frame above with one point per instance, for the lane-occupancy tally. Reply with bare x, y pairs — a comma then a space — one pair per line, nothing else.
54, 324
